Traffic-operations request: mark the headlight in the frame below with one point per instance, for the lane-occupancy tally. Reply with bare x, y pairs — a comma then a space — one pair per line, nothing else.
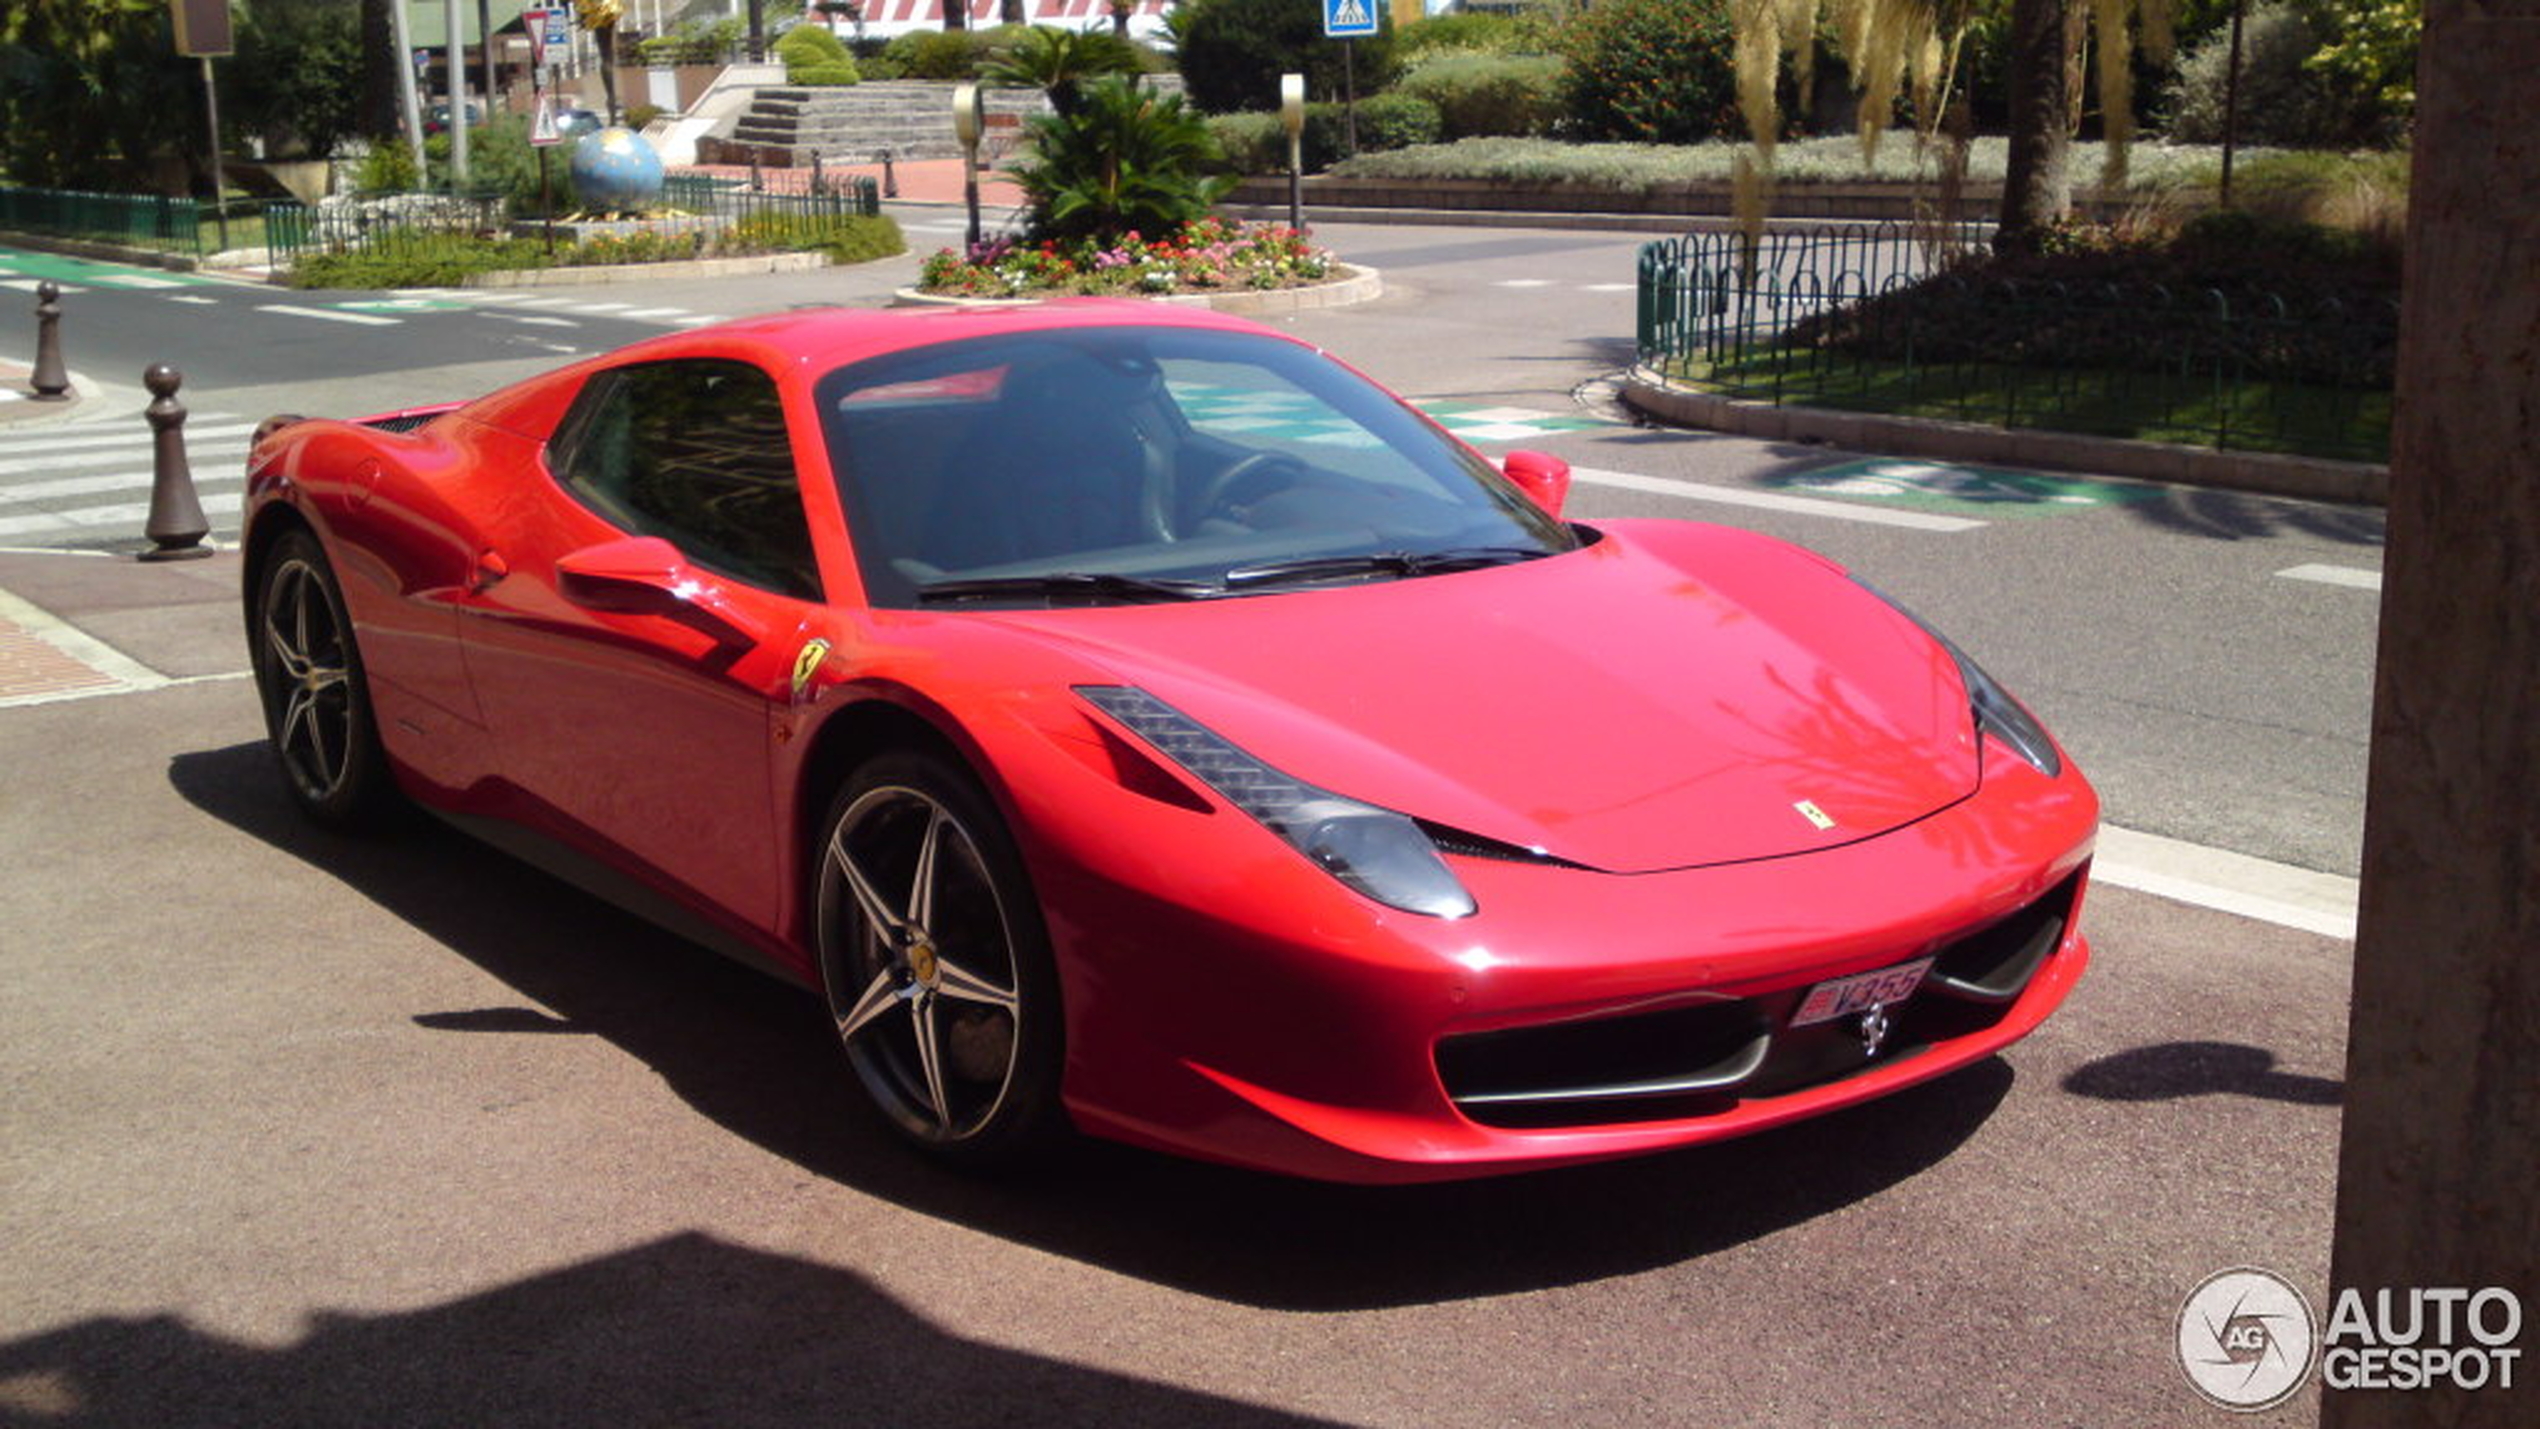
1377, 852
1996, 712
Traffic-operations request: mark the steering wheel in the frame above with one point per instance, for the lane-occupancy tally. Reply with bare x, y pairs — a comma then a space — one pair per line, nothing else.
1220, 488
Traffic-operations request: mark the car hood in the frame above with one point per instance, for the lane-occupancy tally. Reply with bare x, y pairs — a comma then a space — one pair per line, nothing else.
1671, 696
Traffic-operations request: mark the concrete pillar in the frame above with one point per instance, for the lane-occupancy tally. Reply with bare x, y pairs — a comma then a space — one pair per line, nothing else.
2439, 1175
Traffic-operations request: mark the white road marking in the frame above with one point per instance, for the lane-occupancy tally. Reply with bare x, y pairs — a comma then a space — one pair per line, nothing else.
2228, 882
328, 315
129, 479
2348, 576
90, 518
1775, 501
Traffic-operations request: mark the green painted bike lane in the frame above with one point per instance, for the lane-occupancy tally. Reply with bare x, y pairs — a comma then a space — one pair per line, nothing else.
24, 270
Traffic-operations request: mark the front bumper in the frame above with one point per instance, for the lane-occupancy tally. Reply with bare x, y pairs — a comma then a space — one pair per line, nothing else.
1225, 1005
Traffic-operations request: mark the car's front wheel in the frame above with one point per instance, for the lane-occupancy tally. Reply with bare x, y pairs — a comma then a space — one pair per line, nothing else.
309, 678
935, 963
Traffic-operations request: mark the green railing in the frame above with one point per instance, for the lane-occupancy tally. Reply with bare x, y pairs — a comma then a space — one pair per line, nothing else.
1869, 320
150, 221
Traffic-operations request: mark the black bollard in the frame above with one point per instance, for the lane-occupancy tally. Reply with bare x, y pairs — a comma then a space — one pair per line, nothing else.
817, 181
890, 177
49, 381
176, 528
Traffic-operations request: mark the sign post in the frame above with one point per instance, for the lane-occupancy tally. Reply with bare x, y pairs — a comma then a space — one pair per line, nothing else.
1347, 21
202, 29
542, 128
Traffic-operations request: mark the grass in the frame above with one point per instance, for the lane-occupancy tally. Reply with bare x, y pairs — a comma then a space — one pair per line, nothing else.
1643, 168
2300, 419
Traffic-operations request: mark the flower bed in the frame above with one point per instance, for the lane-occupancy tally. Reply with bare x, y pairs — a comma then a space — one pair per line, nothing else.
1206, 256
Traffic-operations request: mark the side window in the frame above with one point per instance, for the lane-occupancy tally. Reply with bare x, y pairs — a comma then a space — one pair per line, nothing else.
694, 452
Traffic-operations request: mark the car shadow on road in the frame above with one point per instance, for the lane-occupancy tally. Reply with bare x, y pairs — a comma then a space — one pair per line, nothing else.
725, 1038
2169, 1071
688, 1329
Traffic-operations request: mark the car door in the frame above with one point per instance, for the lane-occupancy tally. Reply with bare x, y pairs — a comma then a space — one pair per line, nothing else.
633, 642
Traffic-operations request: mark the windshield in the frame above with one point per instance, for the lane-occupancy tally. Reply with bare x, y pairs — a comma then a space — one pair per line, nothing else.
1123, 463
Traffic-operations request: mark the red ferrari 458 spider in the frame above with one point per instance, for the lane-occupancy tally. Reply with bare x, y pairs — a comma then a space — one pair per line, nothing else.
1131, 719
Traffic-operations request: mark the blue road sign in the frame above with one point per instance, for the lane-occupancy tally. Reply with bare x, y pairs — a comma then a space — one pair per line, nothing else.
1348, 19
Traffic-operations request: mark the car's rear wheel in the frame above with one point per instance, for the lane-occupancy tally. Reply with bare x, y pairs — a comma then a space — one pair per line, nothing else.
310, 680
935, 963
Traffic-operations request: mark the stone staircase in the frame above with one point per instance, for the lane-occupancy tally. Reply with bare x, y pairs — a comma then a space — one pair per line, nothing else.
787, 126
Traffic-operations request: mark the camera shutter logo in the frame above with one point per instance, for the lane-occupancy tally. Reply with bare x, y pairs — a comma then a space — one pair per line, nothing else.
2246, 1339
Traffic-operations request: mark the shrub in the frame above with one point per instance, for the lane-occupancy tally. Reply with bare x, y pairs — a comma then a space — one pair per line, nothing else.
940, 54
1479, 95
1385, 121
1251, 142
1125, 160
1472, 32
1233, 52
812, 55
389, 167
2281, 101
1652, 71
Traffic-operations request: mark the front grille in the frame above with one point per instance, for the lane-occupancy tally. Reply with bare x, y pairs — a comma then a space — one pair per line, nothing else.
1704, 1059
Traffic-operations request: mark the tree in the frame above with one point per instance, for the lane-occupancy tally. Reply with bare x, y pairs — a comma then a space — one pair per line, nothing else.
600, 17
1893, 44
92, 91
1058, 62
297, 78
1126, 159
2036, 181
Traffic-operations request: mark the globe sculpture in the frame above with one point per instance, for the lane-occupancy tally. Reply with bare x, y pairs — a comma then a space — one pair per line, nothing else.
615, 171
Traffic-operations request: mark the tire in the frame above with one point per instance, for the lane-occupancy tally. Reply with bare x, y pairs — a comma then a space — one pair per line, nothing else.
935, 963
316, 698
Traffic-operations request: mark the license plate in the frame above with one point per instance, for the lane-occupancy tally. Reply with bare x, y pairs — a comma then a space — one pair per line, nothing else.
1860, 992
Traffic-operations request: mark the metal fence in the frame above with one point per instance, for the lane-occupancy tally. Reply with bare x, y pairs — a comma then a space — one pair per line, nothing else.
150, 221
1876, 319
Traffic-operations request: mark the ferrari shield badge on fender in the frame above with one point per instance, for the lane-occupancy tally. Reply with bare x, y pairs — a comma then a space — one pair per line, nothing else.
1808, 810
806, 665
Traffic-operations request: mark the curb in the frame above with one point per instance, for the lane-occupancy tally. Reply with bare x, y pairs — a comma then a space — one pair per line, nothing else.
2265, 473
1357, 285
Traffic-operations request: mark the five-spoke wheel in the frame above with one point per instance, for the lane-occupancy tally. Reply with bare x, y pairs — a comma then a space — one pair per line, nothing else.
309, 676
934, 961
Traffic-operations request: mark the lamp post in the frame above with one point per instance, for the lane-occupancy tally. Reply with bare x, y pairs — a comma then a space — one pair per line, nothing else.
966, 128
1292, 118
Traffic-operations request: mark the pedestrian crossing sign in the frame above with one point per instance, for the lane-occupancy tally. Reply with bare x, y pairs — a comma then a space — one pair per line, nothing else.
1348, 19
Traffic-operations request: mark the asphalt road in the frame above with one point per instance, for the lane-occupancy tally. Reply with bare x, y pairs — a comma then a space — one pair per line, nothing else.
2217, 700
308, 1131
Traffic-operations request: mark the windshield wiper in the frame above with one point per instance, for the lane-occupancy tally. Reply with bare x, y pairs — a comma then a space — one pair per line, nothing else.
1307, 569
1081, 585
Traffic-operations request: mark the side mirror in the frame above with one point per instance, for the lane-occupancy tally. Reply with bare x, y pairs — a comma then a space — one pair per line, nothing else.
1544, 478
646, 575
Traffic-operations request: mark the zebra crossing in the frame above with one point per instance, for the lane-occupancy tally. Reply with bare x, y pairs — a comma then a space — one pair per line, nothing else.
70, 487
535, 303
